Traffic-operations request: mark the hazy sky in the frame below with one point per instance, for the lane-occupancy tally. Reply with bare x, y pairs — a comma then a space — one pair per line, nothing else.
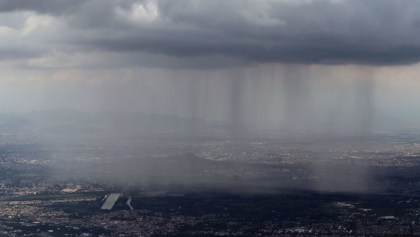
183, 56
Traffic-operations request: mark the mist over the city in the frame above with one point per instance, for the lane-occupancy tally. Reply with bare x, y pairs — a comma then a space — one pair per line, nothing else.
209, 117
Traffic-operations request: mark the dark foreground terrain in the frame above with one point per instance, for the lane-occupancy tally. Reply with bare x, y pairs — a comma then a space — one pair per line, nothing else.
171, 185
212, 214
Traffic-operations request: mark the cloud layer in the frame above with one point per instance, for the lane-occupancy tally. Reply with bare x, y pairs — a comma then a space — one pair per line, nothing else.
204, 33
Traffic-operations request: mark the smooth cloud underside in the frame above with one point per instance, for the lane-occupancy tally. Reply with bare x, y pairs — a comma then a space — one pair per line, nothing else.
204, 33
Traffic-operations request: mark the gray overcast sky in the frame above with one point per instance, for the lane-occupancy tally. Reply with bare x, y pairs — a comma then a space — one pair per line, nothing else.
207, 33
153, 56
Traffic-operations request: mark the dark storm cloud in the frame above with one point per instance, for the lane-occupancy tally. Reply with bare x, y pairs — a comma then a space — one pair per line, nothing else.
43, 6
12, 54
378, 32
366, 32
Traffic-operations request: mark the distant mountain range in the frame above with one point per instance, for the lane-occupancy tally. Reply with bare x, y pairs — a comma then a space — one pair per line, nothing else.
69, 121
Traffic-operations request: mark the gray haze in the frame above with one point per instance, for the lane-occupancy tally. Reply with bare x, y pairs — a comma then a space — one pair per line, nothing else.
105, 70
245, 64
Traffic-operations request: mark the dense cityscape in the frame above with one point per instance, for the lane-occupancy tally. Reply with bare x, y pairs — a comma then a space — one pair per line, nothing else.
219, 185
129, 118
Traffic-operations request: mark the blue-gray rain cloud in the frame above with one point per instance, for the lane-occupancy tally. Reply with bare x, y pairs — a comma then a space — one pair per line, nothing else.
376, 32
